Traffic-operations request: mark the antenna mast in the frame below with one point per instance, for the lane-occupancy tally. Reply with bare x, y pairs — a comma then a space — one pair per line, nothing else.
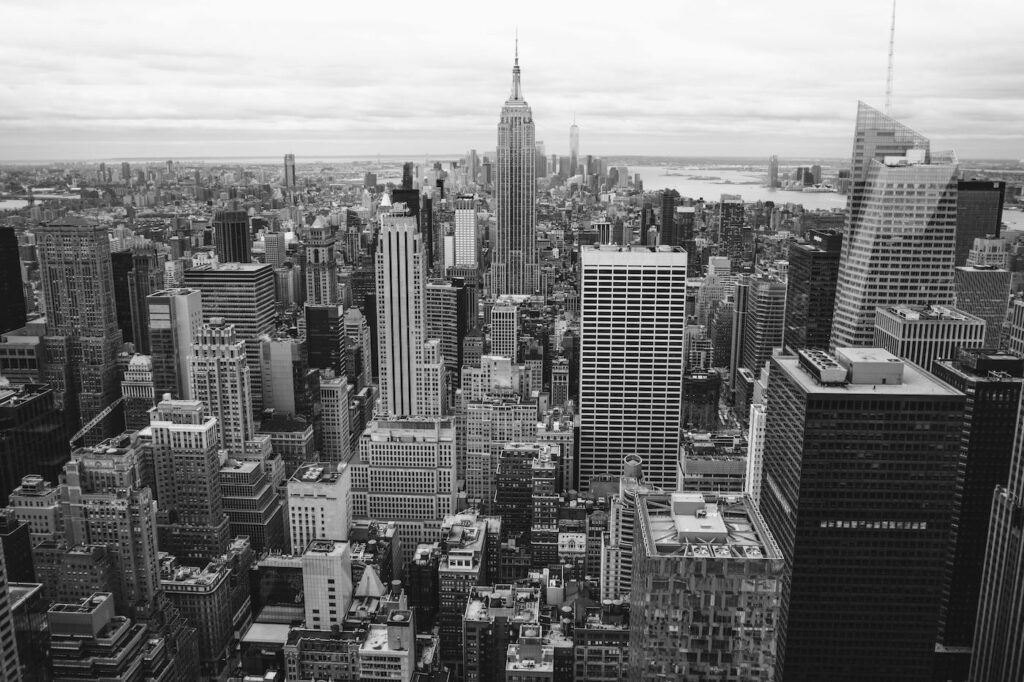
888, 78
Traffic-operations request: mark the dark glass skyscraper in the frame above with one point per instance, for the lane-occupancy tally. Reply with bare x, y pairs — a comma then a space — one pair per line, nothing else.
12, 295
670, 235
979, 213
992, 383
811, 290
860, 462
231, 236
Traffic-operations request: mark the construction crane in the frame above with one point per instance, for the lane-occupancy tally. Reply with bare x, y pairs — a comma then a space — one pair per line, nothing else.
91, 424
888, 78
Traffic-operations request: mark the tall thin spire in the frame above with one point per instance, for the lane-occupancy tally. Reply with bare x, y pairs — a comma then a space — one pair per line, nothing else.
888, 78
517, 89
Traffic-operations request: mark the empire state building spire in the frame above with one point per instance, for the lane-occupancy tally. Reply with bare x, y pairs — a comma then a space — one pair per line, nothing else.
517, 88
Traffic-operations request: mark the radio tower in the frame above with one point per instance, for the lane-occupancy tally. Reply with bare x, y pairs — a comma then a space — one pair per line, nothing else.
888, 78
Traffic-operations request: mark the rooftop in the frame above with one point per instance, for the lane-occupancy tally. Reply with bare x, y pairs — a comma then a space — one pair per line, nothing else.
516, 604
689, 525
858, 366
934, 313
315, 473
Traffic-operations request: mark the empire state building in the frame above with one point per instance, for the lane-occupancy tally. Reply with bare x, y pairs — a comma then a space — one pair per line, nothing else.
514, 262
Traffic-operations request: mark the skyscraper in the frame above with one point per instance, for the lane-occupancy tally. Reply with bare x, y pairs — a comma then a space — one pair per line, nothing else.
240, 294
467, 252
289, 171
321, 267
925, 334
730, 229
984, 291
219, 377
231, 236
773, 171
670, 233
574, 149
146, 277
898, 248
632, 324
175, 317
765, 320
82, 338
860, 461
514, 261
993, 382
979, 213
811, 290
12, 295
999, 634
400, 315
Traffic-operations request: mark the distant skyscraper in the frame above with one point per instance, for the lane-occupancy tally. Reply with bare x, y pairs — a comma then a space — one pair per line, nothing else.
219, 377
467, 252
979, 213
669, 230
275, 247
860, 461
175, 317
407, 175
984, 291
289, 171
730, 229
505, 328
12, 294
146, 277
773, 171
231, 236
541, 162
321, 266
897, 250
574, 149
811, 290
82, 339
765, 321
240, 294
632, 310
360, 360
514, 260
33, 439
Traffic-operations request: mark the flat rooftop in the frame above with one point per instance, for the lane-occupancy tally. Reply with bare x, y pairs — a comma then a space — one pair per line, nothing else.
915, 381
690, 525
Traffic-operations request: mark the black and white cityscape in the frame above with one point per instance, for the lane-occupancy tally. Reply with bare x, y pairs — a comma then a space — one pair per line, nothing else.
736, 405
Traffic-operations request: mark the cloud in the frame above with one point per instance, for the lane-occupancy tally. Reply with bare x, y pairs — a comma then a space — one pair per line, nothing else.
729, 78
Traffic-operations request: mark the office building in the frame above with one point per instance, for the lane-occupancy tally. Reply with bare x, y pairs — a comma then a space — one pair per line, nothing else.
203, 596
505, 328
773, 171
9, 662
87, 641
617, 549
979, 213
574, 150
175, 317
514, 255
231, 236
33, 438
493, 615
145, 278
275, 248
219, 377
326, 343
12, 293
251, 502
715, 464
400, 314
632, 323
984, 292
490, 423
82, 338
670, 233
290, 387
730, 229
699, 559
993, 382
289, 172
860, 465
700, 397
463, 566
326, 582
335, 419
765, 320
467, 239
993, 252
321, 268
138, 392
999, 633
319, 502
360, 357
240, 294
447, 316
898, 249
923, 334
811, 290
186, 460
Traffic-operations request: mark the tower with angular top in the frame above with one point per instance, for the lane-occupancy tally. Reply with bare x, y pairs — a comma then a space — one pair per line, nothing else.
514, 261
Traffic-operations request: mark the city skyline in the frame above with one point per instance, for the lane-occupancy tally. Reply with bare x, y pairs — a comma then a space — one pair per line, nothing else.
724, 86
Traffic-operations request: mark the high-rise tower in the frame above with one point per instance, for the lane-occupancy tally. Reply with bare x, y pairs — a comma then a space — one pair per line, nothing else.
321, 267
82, 338
12, 295
514, 262
175, 316
632, 312
219, 377
289, 171
574, 148
231, 236
899, 246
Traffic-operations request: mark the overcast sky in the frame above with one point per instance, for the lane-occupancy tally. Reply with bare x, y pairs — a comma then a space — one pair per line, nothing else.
184, 79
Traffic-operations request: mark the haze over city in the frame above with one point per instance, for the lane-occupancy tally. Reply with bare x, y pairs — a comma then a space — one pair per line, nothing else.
190, 79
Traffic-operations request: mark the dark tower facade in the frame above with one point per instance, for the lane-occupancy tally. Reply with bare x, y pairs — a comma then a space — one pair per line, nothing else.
231, 236
12, 294
979, 213
811, 290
